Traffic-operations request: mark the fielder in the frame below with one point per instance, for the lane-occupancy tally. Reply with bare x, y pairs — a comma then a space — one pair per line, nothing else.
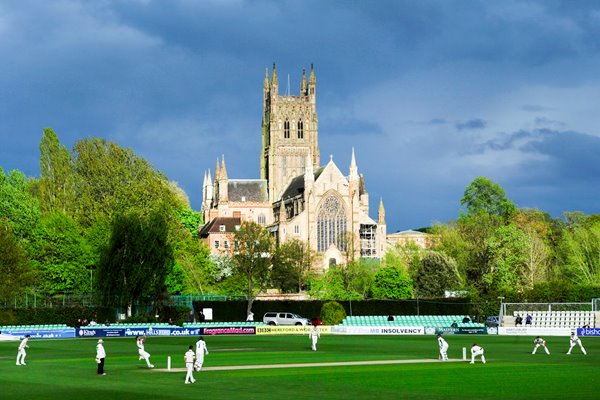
201, 350
576, 341
538, 341
443, 348
21, 354
314, 336
477, 351
144, 355
189, 364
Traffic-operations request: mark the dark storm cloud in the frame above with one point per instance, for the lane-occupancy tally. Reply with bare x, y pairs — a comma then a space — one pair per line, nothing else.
180, 83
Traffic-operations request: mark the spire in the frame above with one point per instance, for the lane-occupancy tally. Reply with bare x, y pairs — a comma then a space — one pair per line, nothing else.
362, 188
217, 171
266, 83
312, 78
204, 181
353, 168
209, 178
274, 80
303, 83
223, 168
381, 213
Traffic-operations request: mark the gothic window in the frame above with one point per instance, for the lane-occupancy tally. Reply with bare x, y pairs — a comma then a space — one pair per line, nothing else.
262, 219
331, 224
286, 129
300, 130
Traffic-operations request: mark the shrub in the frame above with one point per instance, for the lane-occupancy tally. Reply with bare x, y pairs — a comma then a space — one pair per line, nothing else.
332, 313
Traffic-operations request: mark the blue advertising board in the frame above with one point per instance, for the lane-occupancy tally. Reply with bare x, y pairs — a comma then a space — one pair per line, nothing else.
92, 332
67, 333
588, 331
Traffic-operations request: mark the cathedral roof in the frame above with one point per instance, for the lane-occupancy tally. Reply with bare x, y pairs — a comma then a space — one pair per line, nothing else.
214, 226
254, 190
296, 186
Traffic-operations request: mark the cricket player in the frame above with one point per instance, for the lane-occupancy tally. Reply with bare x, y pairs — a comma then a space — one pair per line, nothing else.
443, 348
314, 336
576, 341
21, 353
201, 350
100, 356
144, 355
477, 351
538, 341
189, 364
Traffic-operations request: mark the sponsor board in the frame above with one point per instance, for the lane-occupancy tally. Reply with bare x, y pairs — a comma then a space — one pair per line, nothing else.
131, 332
228, 330
524, 331
445, 330
290, 330
588, 331
378, 330
44, 333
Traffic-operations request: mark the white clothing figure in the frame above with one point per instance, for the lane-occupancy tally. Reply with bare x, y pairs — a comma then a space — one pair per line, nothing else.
538, 341
477, 351
576, 341
443, 348
100, 356
250, 317
21, 353
189, 364
144, 355
201, 350
314, 336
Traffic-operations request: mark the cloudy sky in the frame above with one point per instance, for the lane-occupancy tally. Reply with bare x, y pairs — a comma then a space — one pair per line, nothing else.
431, 94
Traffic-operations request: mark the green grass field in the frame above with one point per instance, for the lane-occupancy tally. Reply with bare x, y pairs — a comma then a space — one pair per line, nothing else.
66, 369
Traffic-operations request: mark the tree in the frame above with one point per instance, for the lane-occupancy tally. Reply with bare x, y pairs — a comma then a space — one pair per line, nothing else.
580, 249
254, 248
111, 180
137, 260
392, 283
17, 205
61, 255
57, 181
485, 196
15, 272
291, 265
436, 274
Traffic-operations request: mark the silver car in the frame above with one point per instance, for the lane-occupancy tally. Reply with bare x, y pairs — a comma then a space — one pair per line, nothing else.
284, 318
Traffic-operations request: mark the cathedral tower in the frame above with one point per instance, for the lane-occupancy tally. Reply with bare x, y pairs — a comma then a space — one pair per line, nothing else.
289, 132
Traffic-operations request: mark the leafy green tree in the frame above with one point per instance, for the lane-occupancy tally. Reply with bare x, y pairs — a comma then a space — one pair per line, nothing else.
330, 286
403, 256
17, 205
580, 249
137, 261
485, 196
332, 313
15, 272
193, 272
61, 256
508, 249
436, 274
392, 283
57, 181
112, 181
254, 247
190, 219
291, 265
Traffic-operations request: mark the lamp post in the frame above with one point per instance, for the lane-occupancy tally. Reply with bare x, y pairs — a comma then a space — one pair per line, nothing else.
501, 313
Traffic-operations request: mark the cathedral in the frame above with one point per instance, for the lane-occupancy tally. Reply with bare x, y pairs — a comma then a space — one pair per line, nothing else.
296, 197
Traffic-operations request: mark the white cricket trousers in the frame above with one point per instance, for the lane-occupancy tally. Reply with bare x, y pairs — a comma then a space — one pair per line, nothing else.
189, 378
314, 343
444, 352
538, 345
580, 346
477, 353
21, 357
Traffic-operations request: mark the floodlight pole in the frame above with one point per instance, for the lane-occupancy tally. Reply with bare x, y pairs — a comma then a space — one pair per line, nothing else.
500, 314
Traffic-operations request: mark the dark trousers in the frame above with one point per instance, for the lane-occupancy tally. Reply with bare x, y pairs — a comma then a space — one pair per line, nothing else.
101, 366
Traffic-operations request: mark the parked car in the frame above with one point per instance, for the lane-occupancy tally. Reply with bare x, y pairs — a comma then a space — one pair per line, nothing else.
316, 321
284, 318
492, 321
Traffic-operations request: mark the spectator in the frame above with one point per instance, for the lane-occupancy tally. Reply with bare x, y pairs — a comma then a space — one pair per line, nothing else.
390, 317
466, 319
528, 319
201, 317
191, 316
250, 317
518, 320
454, 324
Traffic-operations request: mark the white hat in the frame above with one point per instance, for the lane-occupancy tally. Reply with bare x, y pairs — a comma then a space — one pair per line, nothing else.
100, 341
